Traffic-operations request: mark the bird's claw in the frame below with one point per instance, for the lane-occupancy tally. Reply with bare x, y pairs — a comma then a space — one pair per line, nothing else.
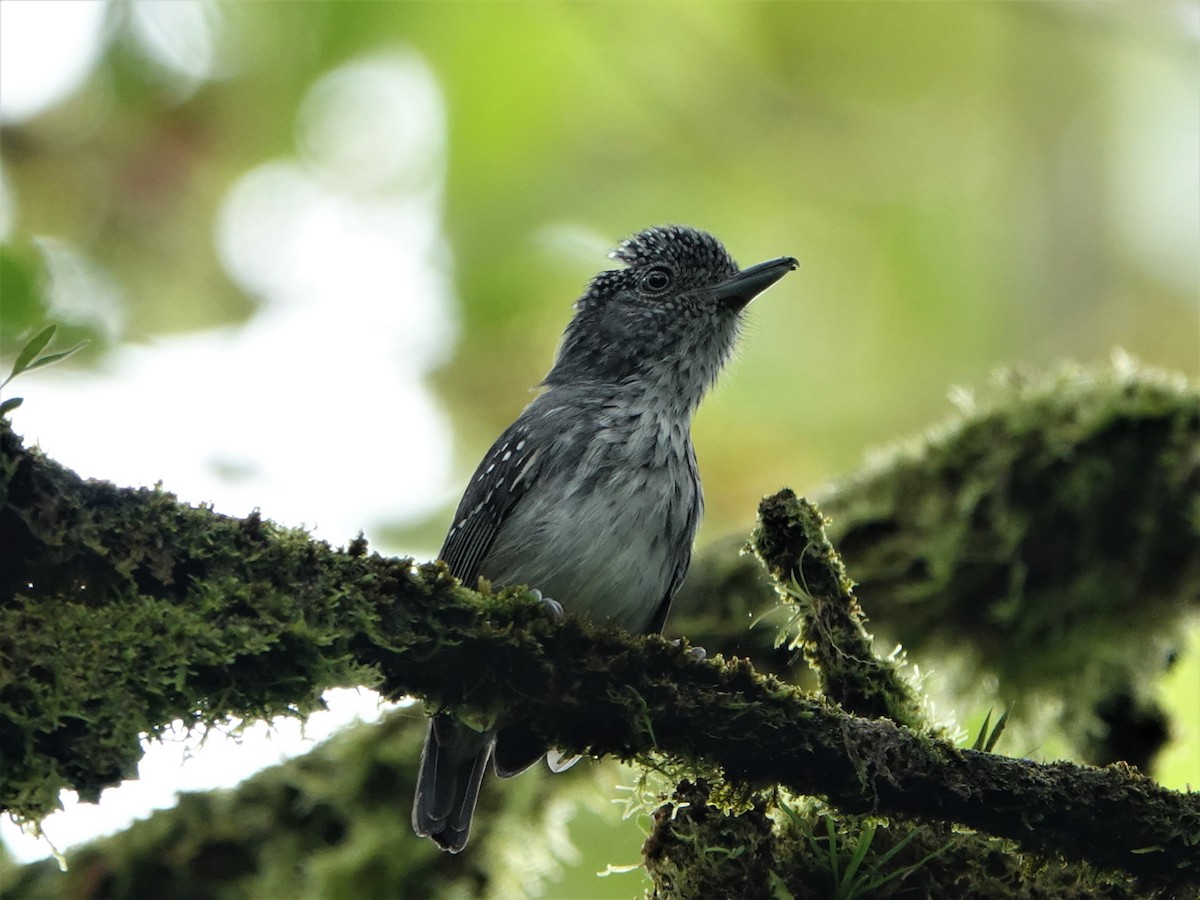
696, 653
551, 606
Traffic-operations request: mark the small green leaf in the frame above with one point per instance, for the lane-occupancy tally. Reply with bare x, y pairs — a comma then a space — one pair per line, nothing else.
834, 862
28, 358
860, 853
779, 890
55, 357
998, 730
983, 730
10, 404
904, 872
35, 346
900, 845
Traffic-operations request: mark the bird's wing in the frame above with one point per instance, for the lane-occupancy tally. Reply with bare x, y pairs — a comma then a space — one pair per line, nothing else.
664, 607
502, 479
659, 619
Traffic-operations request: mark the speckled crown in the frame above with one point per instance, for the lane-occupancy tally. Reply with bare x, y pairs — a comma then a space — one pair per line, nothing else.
686, 247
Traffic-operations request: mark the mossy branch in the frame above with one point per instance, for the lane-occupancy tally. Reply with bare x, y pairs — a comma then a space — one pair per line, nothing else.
122, 610
790, 540
1055, 515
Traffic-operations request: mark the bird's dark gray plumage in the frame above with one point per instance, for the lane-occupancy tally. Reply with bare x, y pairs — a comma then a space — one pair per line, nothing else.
592, 495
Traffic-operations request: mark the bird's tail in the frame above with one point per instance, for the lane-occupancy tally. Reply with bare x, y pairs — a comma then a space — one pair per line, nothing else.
452, 766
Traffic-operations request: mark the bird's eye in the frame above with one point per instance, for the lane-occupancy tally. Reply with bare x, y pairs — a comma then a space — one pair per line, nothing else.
656, 280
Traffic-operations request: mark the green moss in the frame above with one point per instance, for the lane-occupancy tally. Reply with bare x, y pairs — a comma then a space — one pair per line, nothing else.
330, 824
1055, 516
826, 619
1048, 536
696, 851
122, 610
795, 848
825, 853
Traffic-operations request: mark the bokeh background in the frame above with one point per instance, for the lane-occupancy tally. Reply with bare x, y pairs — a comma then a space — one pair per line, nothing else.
322, 251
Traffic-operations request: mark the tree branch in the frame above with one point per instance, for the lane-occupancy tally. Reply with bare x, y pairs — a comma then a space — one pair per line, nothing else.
1056, 515
122, 610
791, 542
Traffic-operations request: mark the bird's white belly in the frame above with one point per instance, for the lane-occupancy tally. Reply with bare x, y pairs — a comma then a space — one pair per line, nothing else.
612, 557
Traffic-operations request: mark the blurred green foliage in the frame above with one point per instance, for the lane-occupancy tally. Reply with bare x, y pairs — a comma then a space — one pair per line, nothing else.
966, 185
954, 178
19, 275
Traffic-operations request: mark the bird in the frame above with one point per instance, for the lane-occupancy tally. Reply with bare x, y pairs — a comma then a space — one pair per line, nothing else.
593, 495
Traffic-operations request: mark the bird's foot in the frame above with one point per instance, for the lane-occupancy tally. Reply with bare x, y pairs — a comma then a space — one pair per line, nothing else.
696, 653
551, 606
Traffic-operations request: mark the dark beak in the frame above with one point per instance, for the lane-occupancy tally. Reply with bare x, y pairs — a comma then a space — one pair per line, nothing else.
749, 283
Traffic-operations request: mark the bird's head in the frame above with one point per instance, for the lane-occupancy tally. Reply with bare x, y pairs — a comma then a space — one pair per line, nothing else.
667, 321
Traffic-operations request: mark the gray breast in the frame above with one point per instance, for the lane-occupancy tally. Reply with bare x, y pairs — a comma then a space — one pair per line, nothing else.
605, 531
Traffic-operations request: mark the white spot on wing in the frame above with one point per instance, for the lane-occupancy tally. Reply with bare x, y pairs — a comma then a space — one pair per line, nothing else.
520, 476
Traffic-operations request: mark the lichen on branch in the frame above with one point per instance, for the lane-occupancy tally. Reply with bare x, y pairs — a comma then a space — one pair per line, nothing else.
1046, 538
122, 610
